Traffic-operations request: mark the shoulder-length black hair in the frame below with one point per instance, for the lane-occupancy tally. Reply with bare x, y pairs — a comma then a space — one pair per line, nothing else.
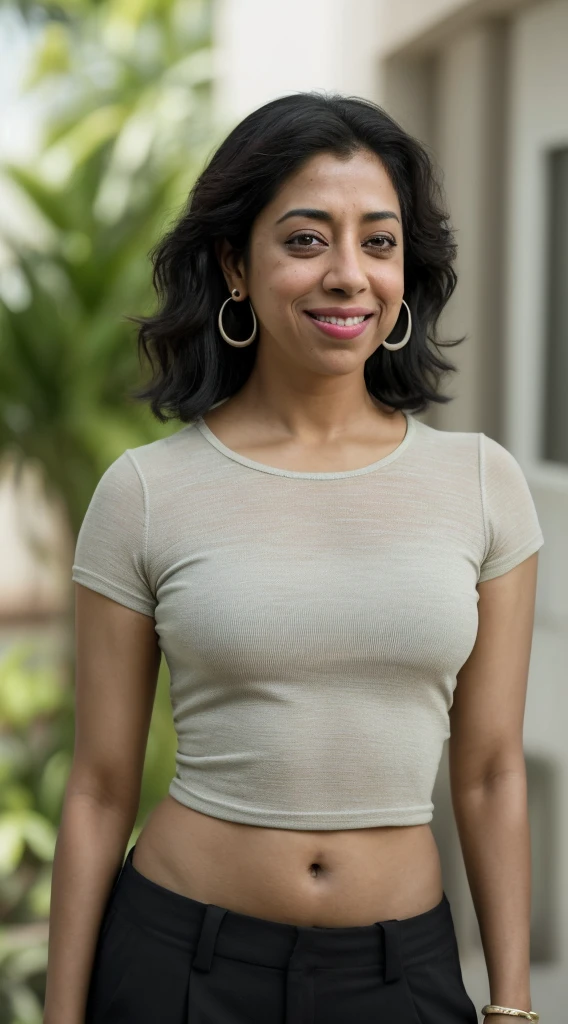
193, 368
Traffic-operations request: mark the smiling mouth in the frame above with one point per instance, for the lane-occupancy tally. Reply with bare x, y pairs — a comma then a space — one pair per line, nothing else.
350, 321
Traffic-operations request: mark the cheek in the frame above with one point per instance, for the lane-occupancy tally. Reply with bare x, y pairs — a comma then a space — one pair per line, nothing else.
388, 280
281, 281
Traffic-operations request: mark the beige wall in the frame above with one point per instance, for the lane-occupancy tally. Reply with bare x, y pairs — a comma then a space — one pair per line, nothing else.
265, 50
35, 547
421, 25
406, 21
454, 102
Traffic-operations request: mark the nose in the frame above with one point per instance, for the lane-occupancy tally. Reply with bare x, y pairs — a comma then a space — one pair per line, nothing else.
345, 273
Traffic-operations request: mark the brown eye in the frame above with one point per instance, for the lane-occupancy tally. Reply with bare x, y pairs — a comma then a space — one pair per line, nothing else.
382, 238
300, 240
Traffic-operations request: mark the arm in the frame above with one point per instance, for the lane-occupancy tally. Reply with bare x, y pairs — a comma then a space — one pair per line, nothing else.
488, 780
117, 662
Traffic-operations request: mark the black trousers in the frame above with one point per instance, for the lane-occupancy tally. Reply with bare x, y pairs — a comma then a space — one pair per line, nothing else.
162, 958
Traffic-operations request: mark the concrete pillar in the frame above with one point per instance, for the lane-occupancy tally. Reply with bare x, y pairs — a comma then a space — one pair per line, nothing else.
469, 142
265, 50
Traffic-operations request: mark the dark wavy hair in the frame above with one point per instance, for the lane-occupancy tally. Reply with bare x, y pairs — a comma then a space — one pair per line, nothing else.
193, 368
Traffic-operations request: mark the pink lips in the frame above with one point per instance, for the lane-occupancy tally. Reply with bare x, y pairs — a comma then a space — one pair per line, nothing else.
337, 330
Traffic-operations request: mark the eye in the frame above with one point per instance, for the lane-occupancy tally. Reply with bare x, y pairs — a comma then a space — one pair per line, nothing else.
299, 241
308, 240
382, 238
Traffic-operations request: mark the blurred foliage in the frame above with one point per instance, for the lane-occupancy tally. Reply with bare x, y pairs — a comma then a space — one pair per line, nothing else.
129, 89
36, 743
130, 85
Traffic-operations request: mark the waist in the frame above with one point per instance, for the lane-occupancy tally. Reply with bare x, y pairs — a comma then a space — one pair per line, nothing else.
347, 878
180, 920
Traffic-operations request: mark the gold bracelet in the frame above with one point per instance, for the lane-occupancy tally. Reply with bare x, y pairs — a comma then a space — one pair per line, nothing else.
509, 1011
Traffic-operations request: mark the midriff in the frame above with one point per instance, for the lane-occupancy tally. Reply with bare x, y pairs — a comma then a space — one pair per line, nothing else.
327, 879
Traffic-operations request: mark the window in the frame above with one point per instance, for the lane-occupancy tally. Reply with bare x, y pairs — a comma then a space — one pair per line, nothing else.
544, 815
555, 426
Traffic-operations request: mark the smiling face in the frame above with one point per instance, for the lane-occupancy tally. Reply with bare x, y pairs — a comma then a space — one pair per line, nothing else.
329, 245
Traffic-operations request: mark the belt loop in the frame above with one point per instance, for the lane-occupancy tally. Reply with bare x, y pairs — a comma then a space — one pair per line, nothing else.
299, 1000
208, 936
393, 956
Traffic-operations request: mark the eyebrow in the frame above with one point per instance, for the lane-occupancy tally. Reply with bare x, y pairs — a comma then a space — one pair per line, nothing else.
324, 215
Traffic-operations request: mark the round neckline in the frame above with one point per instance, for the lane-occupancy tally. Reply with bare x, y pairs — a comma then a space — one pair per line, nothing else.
262, 467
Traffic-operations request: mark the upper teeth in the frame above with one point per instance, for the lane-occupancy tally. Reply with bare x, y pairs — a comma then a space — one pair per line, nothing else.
349, 322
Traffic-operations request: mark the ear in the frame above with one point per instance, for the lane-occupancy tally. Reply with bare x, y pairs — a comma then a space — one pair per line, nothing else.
232, 265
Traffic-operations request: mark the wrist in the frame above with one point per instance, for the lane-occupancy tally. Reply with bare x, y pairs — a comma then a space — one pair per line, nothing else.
516, 996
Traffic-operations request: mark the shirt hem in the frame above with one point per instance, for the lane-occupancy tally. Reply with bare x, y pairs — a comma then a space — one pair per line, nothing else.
302, 820
103, 586
502, 565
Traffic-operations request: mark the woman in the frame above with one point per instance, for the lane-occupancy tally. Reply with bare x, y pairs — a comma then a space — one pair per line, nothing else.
336, 587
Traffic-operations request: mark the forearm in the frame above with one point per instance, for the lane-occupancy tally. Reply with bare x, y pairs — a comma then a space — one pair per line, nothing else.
90, 847
493, 826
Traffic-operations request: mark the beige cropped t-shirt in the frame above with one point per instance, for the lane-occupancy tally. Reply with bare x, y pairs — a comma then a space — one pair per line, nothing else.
313, 623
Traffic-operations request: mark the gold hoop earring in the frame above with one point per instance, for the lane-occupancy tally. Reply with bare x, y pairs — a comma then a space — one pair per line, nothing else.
231, 341
393, 346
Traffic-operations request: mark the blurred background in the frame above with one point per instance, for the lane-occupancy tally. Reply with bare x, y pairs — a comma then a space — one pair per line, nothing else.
108, 111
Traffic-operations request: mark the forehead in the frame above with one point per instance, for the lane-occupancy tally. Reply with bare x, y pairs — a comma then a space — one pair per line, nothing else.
356, 183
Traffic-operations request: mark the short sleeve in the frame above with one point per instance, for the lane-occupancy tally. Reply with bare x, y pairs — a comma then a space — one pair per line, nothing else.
512, 529
111, 550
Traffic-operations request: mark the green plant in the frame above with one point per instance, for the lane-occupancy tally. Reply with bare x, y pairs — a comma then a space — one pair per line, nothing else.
129, 131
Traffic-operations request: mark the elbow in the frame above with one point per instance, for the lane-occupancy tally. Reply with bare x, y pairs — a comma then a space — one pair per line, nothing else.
104, 794
496, 774
504, 788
